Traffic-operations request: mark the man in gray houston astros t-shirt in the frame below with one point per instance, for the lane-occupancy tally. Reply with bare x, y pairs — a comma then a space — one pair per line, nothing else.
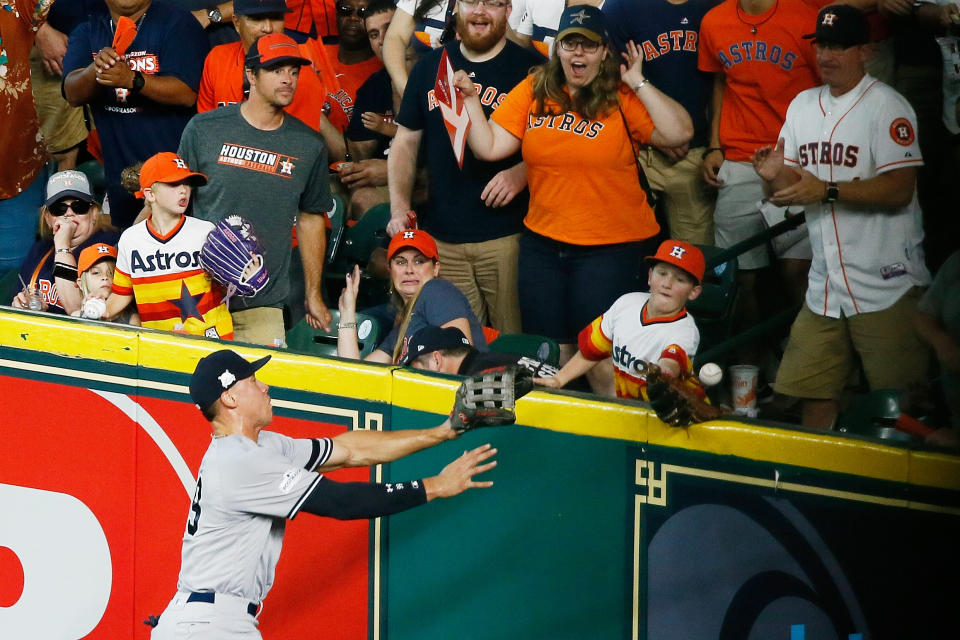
270, 168
252, 481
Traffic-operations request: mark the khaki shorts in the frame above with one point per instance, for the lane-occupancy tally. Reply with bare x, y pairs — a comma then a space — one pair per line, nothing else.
259, 325
687, 199
62, 126
737, 216
821, 353
486, 273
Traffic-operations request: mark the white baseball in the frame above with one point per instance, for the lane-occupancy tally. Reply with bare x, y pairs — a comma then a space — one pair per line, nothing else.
93, 308
710, 374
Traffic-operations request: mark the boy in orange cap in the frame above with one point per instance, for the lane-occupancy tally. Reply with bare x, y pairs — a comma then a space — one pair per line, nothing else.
158, 259
645, 327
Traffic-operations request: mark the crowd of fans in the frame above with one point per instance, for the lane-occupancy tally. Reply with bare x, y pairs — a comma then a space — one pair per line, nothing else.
607, 140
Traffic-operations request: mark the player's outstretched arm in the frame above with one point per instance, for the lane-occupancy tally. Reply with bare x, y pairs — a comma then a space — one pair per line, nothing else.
457, 476
365, 448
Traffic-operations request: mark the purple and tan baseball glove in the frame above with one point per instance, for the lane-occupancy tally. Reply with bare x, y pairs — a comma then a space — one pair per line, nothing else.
233, 257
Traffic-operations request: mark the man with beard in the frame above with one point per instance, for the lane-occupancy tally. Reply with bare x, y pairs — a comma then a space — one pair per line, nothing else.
272, 170
475, 213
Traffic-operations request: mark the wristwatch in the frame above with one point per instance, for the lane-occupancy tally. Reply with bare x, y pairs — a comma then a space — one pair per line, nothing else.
833, 192
215, 15
138, 82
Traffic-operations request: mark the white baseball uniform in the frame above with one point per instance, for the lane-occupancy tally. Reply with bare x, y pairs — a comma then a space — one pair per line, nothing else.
538, 19
625, 333
246, 491
863, 260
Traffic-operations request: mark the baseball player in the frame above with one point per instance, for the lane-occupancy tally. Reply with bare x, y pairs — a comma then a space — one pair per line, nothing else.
848, 152
252, 481
158, 259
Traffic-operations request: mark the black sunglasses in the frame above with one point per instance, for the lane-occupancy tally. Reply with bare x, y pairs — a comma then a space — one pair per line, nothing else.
346, 11
79, 207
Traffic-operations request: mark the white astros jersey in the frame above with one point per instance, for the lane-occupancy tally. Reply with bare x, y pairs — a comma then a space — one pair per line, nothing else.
863, 260
625, 333
245, 492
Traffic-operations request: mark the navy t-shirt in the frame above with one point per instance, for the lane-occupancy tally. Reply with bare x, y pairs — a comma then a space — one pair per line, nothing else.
454, 211
669, 37
439, 303
132, 127
376, 95
45, 280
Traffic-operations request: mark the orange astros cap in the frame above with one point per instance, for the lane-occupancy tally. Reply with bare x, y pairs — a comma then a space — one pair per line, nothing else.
167, 166
683, 255
415, 239
274, 49
94, 254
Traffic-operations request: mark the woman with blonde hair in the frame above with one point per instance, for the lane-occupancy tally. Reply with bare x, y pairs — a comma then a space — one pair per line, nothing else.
578, 120
70, 221
420, 297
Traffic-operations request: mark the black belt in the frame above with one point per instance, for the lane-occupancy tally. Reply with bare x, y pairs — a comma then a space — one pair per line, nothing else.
209, 597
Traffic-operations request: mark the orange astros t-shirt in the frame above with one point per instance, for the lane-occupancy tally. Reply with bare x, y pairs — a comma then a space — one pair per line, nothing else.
764, 71
222, 81
349, 77
581, 173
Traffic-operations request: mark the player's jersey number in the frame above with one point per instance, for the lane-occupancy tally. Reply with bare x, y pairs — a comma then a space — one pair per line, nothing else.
193, 520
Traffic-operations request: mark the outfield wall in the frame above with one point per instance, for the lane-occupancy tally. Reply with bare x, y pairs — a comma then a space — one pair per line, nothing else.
603, 522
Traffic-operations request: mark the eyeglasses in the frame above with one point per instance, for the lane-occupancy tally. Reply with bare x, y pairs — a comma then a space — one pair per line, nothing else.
79, 207
493, 4
570, 44
346, 11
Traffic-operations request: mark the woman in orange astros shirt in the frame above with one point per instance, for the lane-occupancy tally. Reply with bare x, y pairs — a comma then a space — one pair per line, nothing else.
589, 222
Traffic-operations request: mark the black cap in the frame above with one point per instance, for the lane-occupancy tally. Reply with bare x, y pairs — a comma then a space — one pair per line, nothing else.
217, 372
842, 25
259, 7
584, 19
430, 339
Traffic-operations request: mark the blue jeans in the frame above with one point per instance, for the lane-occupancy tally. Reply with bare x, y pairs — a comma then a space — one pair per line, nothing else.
564, 287
18, 223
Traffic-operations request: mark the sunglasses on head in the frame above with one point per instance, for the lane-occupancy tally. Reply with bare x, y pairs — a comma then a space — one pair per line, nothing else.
79, 207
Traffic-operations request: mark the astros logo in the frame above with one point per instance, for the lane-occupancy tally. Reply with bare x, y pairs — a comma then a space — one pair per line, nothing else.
103, 249
579, 17
180, 163
677, 252
828, 19
408, 235
902, 132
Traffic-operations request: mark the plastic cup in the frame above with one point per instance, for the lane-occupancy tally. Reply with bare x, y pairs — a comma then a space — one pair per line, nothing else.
743, 383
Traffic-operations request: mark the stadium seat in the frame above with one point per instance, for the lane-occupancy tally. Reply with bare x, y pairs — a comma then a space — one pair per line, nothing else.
874, 414
527, 344
9, 286
305, 339
713, 308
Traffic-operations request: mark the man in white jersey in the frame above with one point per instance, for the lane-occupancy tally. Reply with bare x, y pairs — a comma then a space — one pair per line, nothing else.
252, 481
848, 151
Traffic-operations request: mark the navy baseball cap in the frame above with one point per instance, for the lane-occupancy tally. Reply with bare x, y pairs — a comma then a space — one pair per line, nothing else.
430, 339
260, 7
217, 372
842, 25
584, 19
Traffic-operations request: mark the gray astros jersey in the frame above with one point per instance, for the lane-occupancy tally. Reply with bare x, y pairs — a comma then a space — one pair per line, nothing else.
245, 492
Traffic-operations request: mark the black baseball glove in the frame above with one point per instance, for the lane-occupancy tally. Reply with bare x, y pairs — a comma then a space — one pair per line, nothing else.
489, 398
675, 403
